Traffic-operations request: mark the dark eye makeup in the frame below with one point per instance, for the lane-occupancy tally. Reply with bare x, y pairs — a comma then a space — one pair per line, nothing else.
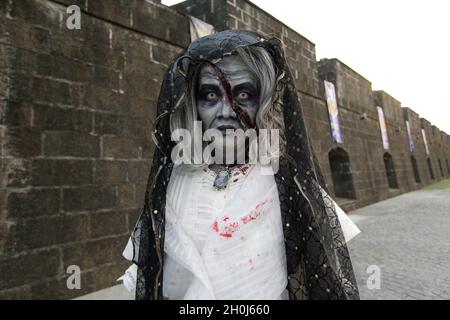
208, 91
245, 91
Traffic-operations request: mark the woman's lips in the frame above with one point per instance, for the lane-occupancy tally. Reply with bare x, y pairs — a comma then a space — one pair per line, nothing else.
225, 127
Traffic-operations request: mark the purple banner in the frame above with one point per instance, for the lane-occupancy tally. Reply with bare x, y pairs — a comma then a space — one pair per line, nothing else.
333, 112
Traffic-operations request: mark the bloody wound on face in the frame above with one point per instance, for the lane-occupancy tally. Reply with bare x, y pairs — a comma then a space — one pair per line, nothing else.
241, 113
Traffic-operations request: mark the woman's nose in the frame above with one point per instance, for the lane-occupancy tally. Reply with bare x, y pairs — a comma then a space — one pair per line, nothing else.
226, 111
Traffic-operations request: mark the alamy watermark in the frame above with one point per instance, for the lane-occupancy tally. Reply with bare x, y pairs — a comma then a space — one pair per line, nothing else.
74, 280
374, 280
230, 146
73, 22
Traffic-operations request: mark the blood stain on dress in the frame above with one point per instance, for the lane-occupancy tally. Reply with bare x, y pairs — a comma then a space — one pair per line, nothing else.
226, 235
216, 226
230, 228
255, 213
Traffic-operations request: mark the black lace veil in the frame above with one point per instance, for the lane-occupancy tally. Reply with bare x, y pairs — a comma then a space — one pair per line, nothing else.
318, 261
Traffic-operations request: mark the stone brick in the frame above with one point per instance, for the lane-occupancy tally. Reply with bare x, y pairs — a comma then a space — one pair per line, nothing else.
22, 142
17, 293
28, 37
16, 114
141, 85
42, 13
20, 88
138, 171
71, 144
104, 99
61, 67
162, 54
53, 92
146, 17
47, 231
82, 121
119, 147
143, 108
126, 196
33, 203
57, 289
106, 76
17, 172
28, 268
107, 223
61, 172
54, 118
109, 172
106, 123
120, 12
89, 198
95, 253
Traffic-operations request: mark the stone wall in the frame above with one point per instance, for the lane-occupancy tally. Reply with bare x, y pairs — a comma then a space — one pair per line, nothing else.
437, 150
419, 152
360, 130
396, 129
426, 126
77, 109
446, 148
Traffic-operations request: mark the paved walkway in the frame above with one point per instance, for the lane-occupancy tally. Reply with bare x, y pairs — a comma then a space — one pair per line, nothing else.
406, 237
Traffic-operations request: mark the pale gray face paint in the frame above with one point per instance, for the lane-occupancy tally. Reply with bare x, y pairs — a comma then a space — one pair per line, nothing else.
214, 106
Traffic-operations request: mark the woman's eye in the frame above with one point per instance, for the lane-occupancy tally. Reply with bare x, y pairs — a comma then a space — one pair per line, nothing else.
211, 96
243, 96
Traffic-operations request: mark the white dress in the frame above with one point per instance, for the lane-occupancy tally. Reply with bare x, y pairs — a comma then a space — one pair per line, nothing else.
225, 244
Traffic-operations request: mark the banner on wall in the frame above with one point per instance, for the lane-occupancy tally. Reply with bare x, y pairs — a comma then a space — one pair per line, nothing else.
384, 134
333, 112
412, 148
199, 28
424, 136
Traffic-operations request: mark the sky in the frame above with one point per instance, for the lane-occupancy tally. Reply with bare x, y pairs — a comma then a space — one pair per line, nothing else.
401, 46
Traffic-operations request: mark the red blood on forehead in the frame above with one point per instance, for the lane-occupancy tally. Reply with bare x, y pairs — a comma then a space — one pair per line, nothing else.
240, 112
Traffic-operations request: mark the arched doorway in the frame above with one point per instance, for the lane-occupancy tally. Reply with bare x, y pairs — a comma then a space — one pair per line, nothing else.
448, 167
415, 169
441, 168
341, 174
390, 171
430, 168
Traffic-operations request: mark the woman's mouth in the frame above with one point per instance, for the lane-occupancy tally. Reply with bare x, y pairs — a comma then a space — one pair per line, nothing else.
224, 128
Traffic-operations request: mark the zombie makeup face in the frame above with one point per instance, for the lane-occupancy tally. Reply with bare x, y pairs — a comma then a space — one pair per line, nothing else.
227, 95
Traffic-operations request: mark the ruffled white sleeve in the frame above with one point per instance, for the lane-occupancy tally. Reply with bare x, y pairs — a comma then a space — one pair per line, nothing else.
129, 277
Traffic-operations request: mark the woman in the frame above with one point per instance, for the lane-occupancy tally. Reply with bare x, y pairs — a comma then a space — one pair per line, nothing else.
230, 231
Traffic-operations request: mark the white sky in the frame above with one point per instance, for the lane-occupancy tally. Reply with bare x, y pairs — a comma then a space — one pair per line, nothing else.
401, 46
